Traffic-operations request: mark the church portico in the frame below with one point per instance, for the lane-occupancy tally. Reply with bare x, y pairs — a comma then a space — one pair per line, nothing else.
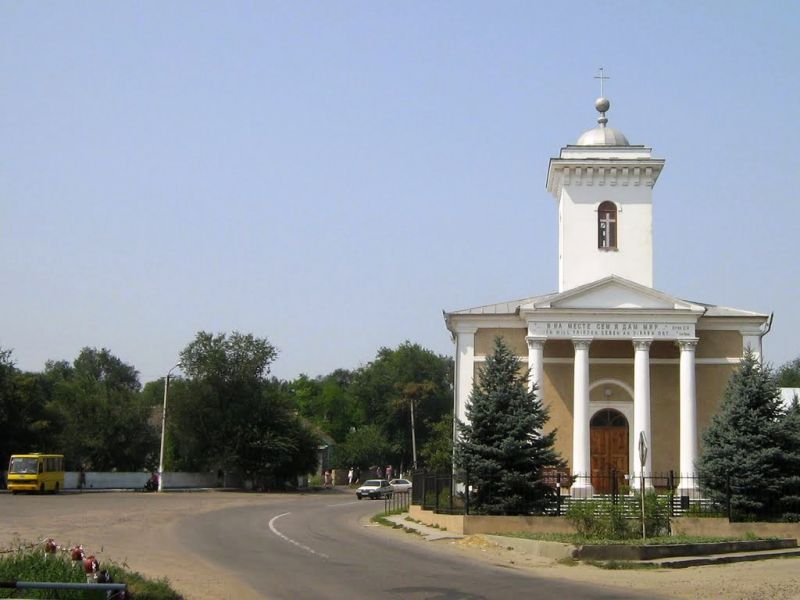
610, 356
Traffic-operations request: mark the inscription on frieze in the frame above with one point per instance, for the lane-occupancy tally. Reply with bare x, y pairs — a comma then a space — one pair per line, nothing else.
621, 329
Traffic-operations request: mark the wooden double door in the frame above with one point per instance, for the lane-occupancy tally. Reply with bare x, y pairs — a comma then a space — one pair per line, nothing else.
609, 449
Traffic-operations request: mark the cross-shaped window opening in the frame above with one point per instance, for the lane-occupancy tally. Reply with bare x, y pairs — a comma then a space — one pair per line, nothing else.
607, 225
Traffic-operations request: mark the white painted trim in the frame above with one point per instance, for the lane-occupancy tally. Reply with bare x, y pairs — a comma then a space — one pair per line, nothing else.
609, 381
752, 324
476, 322
653, 361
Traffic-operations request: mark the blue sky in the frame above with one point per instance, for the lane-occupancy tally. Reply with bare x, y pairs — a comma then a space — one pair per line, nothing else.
331, 175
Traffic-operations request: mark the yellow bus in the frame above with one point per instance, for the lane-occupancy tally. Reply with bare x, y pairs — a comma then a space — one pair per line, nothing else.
35, 473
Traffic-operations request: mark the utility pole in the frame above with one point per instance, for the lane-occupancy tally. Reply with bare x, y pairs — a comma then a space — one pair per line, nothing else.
164, 430
413, 436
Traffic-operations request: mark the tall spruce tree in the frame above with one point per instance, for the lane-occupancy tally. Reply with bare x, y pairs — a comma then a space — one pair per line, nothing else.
742, 453
790, 463
502, 447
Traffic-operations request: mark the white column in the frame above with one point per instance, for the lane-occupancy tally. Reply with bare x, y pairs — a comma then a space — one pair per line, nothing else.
581, 459
688, 416
465, 369
536, 364
752, 341
641, 408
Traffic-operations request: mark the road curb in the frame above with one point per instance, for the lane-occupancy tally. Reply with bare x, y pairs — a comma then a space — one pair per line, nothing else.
429, 534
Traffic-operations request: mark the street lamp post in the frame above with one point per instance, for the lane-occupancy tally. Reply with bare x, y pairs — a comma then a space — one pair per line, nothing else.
163, 430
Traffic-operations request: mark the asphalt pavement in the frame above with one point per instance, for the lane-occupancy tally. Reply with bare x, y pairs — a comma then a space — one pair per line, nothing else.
321, 546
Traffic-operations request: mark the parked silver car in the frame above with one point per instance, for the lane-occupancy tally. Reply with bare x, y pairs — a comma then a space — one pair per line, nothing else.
400, 485
375, 488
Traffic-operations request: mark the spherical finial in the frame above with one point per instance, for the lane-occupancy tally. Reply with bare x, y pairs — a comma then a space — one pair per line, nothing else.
602, 105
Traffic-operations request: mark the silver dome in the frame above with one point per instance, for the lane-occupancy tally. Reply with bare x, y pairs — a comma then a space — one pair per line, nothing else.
603, 136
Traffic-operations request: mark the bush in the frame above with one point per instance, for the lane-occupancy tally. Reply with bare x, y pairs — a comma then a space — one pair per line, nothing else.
35, 565
656, 514
444, 498
599, 519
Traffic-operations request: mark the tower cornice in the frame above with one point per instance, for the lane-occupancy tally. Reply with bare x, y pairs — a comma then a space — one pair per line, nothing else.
596, 171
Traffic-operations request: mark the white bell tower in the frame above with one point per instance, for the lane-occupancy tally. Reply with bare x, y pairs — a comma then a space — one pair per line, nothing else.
604, 188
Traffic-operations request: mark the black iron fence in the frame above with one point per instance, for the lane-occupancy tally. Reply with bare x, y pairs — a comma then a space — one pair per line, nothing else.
398, 501
455, 493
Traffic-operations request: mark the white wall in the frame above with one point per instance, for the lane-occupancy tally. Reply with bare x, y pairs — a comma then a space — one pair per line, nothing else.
581, 260
789, 394
105, 481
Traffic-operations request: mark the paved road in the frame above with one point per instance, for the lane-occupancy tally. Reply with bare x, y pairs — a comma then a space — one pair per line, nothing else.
317, 546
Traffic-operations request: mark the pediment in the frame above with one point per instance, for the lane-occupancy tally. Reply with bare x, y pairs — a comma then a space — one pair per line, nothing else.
615, 293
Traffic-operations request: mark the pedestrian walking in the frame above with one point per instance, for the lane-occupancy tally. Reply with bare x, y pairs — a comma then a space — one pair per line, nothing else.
350, 476
379, 472
389, 472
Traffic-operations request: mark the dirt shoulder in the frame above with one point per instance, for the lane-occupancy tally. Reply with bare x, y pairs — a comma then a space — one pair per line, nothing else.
135, 529
775, 578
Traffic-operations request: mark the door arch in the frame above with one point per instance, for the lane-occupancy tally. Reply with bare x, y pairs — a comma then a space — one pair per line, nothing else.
609, 449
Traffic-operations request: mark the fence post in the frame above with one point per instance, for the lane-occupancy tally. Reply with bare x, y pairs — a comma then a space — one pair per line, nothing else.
728, 494
466, 491
452, 491
558, 494
612, 473
671, 484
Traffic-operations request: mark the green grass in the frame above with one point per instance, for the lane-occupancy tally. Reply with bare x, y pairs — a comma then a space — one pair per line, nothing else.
381, 519
25, 564
619, 565
574, 538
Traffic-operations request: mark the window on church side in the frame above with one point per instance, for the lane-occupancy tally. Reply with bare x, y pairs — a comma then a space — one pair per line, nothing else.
607, 226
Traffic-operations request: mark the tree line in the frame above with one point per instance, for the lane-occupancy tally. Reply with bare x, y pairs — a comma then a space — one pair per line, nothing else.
226, 412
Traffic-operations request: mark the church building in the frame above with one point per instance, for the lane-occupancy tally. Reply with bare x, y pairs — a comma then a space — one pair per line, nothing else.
616, 361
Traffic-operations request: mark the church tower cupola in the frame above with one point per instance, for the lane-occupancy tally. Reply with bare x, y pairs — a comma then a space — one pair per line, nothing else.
604, 188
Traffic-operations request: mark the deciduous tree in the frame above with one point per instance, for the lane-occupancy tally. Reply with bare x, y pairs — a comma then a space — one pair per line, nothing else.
788, 374
227, 414
385, 388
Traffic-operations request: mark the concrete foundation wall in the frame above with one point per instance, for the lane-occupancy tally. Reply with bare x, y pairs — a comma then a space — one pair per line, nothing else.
722, 528
454, 523
473, 524
712, 527
498, 524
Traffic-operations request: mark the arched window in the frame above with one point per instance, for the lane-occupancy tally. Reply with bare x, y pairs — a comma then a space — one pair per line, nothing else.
608, 417
607, 225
